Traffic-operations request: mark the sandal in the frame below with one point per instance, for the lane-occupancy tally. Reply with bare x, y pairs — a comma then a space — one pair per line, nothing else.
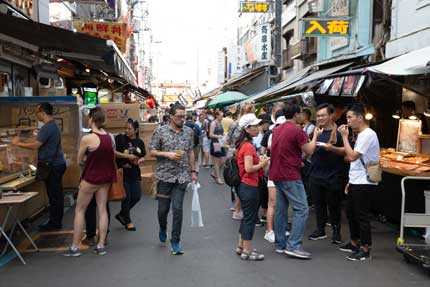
253, 256
219, 181
239, 250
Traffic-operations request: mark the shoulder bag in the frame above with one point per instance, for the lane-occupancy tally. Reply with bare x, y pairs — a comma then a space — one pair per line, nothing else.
373, 171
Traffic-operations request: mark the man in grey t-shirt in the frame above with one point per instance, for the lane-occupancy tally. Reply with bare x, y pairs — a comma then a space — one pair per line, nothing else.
48, 144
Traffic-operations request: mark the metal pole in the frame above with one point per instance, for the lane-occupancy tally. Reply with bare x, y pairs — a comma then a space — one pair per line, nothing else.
278, 37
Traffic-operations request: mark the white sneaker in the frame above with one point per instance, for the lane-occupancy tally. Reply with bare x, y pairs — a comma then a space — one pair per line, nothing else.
237, 215
270, 236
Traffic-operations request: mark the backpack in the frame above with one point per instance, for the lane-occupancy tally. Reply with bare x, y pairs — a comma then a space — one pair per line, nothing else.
231, 172
197, 132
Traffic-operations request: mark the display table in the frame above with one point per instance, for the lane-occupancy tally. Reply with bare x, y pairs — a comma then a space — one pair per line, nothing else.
18, 183
11, 201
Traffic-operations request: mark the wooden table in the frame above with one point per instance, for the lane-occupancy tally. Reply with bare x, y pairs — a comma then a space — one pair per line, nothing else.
18, 183
11, 200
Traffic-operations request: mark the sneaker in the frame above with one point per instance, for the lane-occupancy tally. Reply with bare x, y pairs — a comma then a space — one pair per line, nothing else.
162, 235
317, 235
100, 251
298, 253
336, 238
361, 255
348, 247
91, 241
176, 248
270, 236
263, 219
72, 252
287, 233
258, 223
280, 251
237, 215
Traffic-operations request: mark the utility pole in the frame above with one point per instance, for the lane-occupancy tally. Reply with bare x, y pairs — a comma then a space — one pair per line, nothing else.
278, 38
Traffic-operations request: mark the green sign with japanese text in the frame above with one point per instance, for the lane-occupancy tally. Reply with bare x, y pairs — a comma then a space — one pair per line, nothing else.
326, 27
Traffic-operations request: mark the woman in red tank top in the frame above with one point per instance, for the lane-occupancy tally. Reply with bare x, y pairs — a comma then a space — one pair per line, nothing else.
96, 149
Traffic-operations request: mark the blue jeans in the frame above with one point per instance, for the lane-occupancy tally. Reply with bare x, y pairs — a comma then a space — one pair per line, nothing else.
248, 196
290, 192
171, 194
133, 194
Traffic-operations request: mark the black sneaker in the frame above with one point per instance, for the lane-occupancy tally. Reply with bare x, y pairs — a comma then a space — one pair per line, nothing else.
348, 247
91, 241
72, 252
263, 219
317, 235
258, 223
336, 237
361, 255
100, 251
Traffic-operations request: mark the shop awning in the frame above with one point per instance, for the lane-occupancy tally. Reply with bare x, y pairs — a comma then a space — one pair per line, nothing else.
413, 63
99, 54
276, 88
318, 75
237, 82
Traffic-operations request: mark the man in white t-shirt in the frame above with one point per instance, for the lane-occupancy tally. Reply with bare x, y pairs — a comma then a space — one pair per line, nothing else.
359, 188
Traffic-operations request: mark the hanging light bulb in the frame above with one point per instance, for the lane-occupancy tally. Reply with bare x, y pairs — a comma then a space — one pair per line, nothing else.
397, 115
427, 113
368, 116
413, 116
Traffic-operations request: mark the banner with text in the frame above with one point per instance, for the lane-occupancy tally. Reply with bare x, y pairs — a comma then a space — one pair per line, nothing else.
116, 32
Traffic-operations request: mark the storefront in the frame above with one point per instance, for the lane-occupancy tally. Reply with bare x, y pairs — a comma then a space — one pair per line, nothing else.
405, 149
72, 71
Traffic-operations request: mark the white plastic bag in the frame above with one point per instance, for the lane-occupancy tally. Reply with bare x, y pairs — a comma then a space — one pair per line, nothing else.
196, 211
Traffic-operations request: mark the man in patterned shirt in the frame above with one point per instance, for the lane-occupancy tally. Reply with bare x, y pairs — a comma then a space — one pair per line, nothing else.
172, 145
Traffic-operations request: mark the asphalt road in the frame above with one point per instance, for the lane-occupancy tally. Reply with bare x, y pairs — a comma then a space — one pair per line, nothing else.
137, 259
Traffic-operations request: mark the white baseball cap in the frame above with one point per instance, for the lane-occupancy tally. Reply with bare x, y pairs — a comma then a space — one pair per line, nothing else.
248, 120
279, 121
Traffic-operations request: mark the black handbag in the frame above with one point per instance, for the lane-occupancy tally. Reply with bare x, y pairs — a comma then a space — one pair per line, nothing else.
44, 167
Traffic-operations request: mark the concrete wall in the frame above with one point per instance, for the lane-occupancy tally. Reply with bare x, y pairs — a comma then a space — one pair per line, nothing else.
410, 26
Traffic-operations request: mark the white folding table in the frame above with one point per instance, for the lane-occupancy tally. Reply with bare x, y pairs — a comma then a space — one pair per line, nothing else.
12, 200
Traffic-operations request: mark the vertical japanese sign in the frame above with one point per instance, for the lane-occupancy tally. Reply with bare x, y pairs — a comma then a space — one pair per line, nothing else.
221, 67
236, 60
116, 32
264, 43
339, 8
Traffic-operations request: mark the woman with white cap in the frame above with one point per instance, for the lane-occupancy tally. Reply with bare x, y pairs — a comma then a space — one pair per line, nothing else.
250, 168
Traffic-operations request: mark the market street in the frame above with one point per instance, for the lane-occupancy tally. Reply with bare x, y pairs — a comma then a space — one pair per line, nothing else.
136, 258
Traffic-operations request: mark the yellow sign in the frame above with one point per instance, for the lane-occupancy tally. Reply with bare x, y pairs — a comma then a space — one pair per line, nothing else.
254, 7
329, 27
116, 32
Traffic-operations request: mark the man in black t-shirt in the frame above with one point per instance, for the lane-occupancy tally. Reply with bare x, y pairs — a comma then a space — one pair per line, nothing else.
325, 175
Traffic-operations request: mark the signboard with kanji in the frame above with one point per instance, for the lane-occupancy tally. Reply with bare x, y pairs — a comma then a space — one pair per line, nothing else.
264, 41
326, 27
253, 7
116, 32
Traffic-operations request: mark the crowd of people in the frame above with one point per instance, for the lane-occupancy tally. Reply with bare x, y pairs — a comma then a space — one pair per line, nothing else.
286, 163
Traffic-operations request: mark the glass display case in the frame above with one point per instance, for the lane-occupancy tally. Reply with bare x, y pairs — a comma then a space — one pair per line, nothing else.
16, 161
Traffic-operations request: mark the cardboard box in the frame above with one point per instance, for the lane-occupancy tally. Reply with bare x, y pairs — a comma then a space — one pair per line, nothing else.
146, 131
148, 179
47, 92
118, 114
